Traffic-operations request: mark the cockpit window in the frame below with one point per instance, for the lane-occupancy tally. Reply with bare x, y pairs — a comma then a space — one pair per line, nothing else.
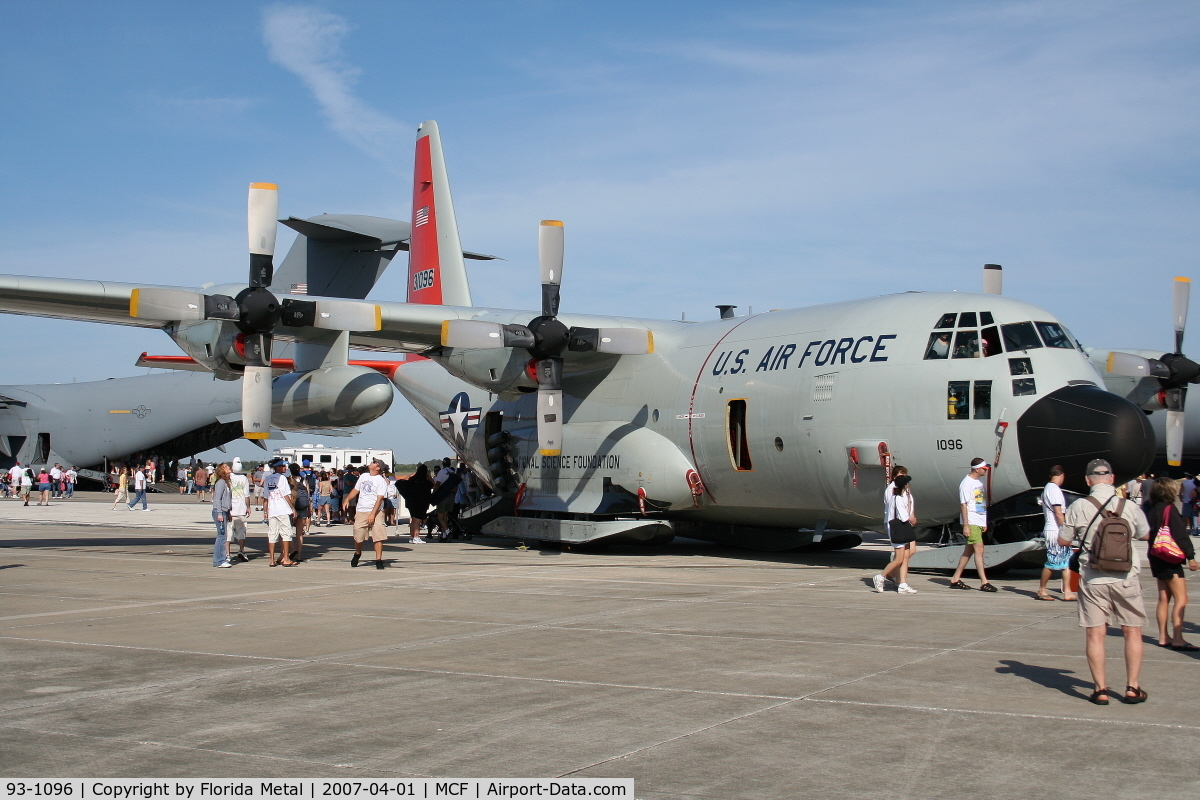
967, 319
947, 321
1053, 335
939, 346
985, 318
991, 341
966, 344
1020, 336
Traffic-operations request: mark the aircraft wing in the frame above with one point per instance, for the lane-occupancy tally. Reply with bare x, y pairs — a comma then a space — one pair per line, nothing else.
71, 298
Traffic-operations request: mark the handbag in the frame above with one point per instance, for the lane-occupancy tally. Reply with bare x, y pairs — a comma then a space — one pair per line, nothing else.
1164, 547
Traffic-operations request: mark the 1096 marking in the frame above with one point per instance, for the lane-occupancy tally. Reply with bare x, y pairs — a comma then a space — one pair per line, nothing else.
949, 444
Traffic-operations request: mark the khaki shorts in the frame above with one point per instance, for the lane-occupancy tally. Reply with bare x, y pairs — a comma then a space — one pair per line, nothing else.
279, 528
445, 505
237, 529
377, 532
976, 535
1112, 603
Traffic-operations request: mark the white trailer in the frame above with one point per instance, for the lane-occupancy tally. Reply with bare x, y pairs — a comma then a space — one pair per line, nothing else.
334, 457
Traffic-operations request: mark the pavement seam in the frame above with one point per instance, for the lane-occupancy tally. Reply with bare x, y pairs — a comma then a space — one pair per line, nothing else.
1024, 715
238, 753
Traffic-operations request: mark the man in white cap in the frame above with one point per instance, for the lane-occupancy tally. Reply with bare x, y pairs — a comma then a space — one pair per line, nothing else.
973, 509
240, 486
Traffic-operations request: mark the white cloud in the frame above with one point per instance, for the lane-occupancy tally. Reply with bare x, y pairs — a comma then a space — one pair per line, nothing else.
307, 41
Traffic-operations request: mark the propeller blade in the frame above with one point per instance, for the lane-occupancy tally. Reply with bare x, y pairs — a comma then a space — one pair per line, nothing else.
1131, 366
550, 262
472, 334
262, 209
166, 304
993, 279
549, 406
1175, 438
337, 315
618, 341
1183, 288
256, 387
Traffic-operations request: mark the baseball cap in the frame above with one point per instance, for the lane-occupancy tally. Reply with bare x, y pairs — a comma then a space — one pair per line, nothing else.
237, 465
279, 462
1098, 466
979, 463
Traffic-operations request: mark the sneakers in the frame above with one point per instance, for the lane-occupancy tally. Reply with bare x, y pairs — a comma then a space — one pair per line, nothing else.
225, 565
354, 559
242, 558
379, 564
416, 540
905, 589
879, 581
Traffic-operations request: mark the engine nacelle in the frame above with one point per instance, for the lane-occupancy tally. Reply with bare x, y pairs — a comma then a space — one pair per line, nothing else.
211, 343
333, 397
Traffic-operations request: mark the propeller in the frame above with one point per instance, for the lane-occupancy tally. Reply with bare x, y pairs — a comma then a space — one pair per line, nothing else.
1174, 372
547, 339
256, 311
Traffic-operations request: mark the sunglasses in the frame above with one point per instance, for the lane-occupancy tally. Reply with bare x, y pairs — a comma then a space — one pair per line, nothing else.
1101, 472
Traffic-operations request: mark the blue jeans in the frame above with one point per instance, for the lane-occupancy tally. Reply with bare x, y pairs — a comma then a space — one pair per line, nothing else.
139, 494
70, 490
220, 546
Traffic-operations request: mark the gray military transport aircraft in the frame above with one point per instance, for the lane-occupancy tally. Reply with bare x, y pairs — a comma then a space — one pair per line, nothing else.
772, 431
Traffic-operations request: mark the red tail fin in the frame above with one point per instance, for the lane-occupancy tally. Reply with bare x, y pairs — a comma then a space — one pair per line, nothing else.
436, 273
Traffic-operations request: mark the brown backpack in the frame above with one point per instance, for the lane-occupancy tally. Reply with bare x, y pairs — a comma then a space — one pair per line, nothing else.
1111, 548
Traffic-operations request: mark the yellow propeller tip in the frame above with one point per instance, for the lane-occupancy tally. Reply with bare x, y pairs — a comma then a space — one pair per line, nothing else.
271, 187
554, 223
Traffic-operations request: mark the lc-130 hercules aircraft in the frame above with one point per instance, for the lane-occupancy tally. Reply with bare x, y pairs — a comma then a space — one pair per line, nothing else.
766, 431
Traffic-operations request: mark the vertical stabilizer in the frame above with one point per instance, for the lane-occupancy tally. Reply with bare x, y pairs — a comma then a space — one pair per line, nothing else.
436, 272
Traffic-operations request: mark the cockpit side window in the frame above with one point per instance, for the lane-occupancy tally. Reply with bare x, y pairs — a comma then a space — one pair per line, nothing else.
939, 346
966, 344
1020, 336
947, 321
985, 318
968, 319
991, 341
1053, 335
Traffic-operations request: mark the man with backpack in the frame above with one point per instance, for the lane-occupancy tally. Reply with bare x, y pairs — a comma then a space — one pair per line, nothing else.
1105, 526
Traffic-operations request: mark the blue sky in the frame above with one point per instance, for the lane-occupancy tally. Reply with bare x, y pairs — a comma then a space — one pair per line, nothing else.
764, 154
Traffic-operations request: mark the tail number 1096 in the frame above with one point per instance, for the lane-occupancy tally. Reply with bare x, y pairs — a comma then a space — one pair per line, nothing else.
949, 444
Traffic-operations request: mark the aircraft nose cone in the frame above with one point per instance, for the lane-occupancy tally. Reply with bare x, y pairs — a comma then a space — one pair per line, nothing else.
1075, 424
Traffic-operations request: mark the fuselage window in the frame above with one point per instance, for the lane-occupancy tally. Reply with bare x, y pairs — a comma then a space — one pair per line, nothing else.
939, 346
983, 399
1024, 386
739, 443
1053, 335
1020, 366
967, 319
1020, 336
958, 400
985, 318
966, 344
947, 321
991, 341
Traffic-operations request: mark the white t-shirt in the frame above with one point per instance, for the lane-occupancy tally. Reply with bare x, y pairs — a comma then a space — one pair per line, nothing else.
72, 476
239, 486
16, 473
1052, 496
370, 487
902, 506
279, 491
139, 481
55, 473
970, 491
443, 473
1187, 491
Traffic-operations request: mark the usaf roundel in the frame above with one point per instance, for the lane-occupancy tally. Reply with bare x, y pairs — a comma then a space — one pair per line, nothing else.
460, 417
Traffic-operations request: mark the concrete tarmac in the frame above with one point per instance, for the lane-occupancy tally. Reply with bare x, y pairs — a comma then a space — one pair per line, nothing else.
700, 671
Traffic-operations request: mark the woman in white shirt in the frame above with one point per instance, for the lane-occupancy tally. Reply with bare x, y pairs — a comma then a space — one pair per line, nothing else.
902, 530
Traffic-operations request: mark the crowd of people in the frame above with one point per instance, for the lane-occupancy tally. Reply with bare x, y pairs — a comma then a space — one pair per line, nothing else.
294, 497
50, 482
1089, 544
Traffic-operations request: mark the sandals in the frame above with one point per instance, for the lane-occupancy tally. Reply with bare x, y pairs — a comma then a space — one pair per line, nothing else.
959, 585
1071, 599
1099, 697
1190, 648
987, 587
1045, 598
1139, 695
